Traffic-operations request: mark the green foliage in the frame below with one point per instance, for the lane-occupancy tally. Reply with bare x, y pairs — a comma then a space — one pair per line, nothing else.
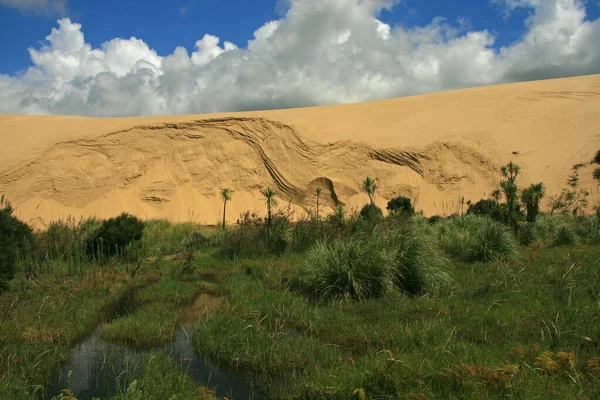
527, 233
270, 201
162, 237
347, 269
493, 242
597, 157
488, 207
254, 237
400, 204
475, 238
456, 235
371, 213
531, 197
369, 186
115, 235
418, 262
15, 236
565, 236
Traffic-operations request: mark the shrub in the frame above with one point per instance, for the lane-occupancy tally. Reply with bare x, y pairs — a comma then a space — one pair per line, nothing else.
434, 219
15, 236
114, 235
456, 234
371, 213
400, 204
347, 269
527, 233
589, 229
419, 264
493, 242
565, 236
253, 238
597, 157
485, 207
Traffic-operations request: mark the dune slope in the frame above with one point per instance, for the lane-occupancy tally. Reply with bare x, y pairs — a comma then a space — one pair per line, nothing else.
433, 148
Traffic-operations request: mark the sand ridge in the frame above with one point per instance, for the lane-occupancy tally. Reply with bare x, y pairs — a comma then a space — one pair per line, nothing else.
433, 148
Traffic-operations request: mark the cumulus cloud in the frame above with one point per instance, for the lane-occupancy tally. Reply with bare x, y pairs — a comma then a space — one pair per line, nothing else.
319, 52
51, 7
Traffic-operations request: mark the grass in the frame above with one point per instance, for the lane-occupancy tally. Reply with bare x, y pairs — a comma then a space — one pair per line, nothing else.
163, 379
503, 326
485, 337
158, 314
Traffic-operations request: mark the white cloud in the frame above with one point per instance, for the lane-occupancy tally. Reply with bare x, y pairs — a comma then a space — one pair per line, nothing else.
51, 7
319, 52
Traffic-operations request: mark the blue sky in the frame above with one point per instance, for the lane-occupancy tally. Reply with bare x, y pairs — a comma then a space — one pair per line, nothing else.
165, 25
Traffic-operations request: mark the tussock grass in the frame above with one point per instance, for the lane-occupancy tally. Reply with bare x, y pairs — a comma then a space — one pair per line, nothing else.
492, 241
347, 269
475, 238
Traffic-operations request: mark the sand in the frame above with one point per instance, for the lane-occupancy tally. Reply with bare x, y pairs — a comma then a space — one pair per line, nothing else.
433, 148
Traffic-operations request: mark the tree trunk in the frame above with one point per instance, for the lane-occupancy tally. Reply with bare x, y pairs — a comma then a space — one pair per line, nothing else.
224, 209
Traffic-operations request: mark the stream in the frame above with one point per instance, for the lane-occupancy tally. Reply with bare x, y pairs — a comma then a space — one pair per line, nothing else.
98, 369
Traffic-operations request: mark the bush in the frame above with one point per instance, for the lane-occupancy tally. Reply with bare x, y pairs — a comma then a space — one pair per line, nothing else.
488, 207
565, 236
15, 236
400, 204
455, 235
434, 219
493, 242
252, 238
527, 233
114, 235
597, 157
371, 213
347, 269
418, 263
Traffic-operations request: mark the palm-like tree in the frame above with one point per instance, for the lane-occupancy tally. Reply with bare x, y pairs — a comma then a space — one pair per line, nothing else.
226, 196
269, 194
369, 186
508, 185
318, 193
532, 196
340, 214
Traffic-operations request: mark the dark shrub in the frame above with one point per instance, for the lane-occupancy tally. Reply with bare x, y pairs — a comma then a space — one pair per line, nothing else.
14, 239
527, 233
114, 235
565, 236
597, 157
484, 207
371, 213
400, 204
434, 219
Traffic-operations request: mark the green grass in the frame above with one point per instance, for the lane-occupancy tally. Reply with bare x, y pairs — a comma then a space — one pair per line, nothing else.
521, 327
162, 379
157, 316
43, 319
463, 342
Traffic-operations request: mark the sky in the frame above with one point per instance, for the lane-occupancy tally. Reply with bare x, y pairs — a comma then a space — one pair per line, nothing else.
129, 58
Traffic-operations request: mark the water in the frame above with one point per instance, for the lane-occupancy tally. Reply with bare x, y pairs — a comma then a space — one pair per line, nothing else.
98, 368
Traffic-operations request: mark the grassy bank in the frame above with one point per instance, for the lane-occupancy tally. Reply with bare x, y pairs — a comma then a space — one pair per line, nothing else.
525, 329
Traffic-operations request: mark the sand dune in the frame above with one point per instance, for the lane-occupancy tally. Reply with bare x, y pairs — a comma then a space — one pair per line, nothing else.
433, 148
